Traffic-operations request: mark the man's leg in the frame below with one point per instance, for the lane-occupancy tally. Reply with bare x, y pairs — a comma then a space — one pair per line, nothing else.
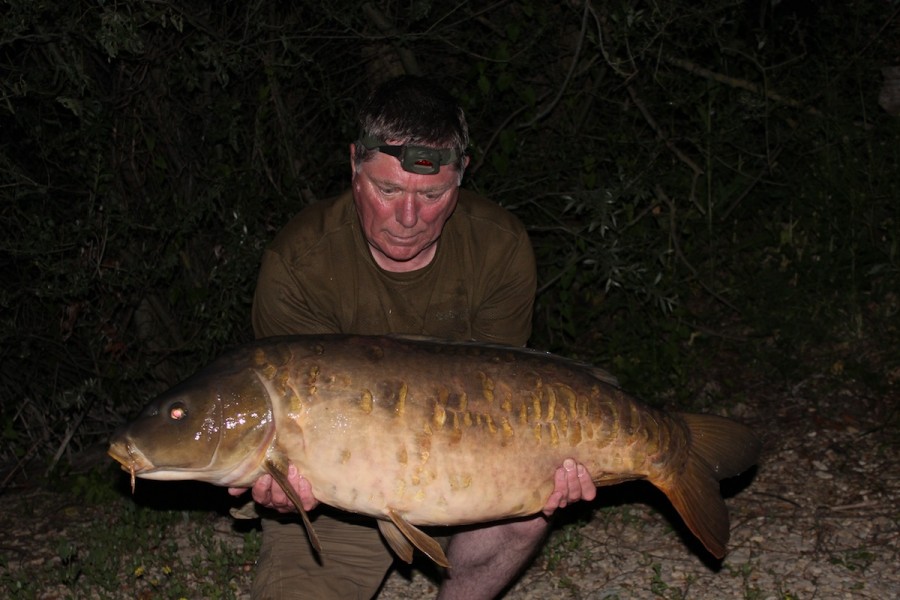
485, 560
353, 563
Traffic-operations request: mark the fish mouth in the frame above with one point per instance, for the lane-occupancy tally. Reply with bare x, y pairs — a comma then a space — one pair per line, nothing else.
130, 458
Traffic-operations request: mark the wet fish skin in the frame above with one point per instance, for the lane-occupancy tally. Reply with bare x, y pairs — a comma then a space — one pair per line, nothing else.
422, 432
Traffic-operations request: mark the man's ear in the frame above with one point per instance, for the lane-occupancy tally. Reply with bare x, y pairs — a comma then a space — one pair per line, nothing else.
352, 159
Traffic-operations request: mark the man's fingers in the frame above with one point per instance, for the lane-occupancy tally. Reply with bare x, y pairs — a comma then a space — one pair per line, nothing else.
572, 485
260, 490
304, 489
557, 498
588, 489
553, 502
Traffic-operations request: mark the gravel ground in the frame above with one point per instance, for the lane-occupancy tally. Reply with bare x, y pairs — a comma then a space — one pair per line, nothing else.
818, 518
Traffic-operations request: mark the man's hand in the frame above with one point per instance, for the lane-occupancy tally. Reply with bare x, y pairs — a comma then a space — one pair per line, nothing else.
571, 483
269, 494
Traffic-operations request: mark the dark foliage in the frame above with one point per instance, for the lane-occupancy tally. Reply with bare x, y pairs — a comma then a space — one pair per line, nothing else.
696, 177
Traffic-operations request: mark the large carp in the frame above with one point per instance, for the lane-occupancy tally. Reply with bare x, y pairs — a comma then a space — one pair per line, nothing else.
422, 432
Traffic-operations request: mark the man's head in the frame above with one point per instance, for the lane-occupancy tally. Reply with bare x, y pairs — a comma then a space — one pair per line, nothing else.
413, 113
407, 167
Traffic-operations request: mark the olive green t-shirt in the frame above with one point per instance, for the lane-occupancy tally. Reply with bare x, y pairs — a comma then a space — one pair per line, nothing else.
318, 276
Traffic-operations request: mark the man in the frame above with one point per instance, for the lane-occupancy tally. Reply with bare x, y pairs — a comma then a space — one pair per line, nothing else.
404, 251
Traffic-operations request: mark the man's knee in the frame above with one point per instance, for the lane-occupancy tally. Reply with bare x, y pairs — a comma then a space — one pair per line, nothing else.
528, 532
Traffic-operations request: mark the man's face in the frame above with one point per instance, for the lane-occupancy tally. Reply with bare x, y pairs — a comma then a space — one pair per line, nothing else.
402, 213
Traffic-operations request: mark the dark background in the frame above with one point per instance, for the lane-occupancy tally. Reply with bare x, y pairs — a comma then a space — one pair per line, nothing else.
705, 184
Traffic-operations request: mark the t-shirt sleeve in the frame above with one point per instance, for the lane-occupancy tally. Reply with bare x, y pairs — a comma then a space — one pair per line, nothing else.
504, 316
281, 305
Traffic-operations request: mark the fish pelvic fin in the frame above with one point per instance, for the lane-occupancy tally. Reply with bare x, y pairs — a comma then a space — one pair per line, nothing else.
720, 448
277, 468
399, 533
396, 540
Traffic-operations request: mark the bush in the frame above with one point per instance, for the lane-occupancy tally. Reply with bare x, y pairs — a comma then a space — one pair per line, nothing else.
691, 175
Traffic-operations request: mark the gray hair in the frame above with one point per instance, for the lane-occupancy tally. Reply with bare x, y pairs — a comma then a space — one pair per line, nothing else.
415, 111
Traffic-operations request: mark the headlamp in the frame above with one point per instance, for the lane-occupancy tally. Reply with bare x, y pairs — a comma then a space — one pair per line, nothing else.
415, 159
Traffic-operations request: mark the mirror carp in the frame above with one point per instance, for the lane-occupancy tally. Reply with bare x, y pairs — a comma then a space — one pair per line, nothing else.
416, 432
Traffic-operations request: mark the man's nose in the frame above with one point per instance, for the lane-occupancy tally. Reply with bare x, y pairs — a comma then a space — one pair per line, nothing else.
407, 211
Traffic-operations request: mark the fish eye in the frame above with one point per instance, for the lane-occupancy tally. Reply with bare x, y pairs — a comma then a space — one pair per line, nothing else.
177, 411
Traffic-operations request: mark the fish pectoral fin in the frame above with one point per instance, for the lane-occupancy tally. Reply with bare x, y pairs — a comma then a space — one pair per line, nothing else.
410, 533
278, 470
396, 540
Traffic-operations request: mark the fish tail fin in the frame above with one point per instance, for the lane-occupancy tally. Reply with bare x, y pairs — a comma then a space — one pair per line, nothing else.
720, 448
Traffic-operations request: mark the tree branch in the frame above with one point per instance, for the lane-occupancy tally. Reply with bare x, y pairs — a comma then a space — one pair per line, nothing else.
565, 83
662, 134
384, 25
673, 234
743, 84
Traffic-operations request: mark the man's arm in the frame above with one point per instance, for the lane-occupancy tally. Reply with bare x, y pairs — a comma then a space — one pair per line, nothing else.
505, 317
280, 309
505, 312
281, 306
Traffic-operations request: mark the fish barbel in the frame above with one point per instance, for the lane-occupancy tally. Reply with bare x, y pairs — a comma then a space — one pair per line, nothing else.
422, 432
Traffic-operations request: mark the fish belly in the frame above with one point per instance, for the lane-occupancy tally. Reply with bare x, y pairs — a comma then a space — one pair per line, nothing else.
458, 468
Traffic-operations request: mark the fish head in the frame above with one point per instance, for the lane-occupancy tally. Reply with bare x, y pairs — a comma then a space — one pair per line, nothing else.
216, 427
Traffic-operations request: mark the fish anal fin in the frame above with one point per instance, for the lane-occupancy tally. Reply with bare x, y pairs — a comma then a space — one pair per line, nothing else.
278, 470
697, 498
427, 544
396, 540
